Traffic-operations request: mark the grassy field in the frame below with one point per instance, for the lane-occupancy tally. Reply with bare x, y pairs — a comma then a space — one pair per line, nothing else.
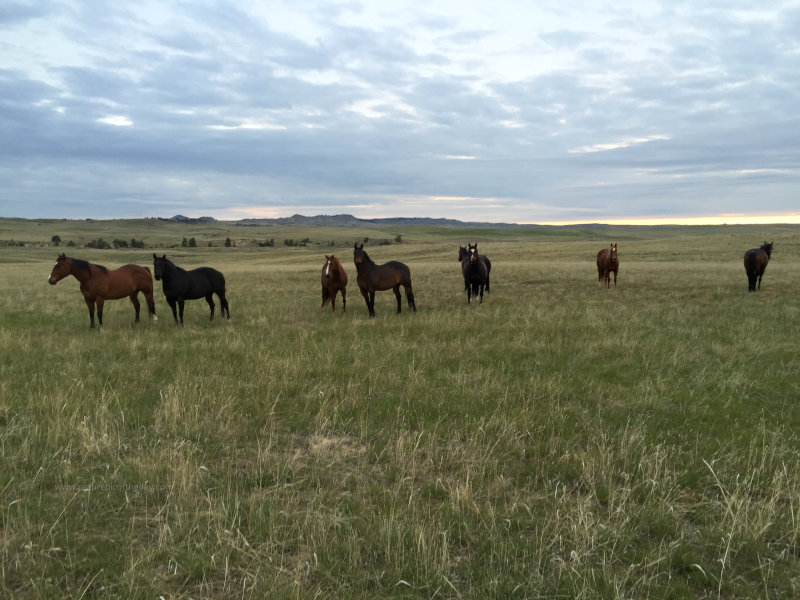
560, 440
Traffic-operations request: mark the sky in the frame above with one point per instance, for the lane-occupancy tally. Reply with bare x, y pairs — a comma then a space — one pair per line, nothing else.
504, 111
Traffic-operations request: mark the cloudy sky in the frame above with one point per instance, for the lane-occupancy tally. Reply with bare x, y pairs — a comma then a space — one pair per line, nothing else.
511, 110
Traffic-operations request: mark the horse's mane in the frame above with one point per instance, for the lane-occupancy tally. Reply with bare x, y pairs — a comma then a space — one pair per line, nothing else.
85, 264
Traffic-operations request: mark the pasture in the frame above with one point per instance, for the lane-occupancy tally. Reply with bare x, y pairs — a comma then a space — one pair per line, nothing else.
559, 440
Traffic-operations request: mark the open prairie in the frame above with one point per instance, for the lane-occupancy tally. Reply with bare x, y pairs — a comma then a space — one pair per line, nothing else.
559, 440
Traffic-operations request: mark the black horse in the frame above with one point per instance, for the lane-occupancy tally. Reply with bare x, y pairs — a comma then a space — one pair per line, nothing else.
180, 285
390, 275
464, 253
755, 262
476, 274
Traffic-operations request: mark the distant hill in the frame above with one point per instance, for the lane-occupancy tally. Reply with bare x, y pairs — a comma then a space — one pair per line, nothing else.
351, 221
182, 219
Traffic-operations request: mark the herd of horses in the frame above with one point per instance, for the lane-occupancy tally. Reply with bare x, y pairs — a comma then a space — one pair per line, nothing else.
98, 284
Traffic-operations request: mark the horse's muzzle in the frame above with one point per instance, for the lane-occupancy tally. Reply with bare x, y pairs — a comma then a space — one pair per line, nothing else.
52, 281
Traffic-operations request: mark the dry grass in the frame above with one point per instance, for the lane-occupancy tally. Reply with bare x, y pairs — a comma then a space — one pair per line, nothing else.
560, 440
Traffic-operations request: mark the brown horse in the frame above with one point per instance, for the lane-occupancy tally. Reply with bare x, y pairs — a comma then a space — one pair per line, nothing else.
755, 263
607, 262
464, 253
98, 284
372, 277
475, 272
334, 280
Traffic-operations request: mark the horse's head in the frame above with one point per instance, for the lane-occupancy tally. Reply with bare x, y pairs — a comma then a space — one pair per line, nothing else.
330, 264
359, 256
612, 253
462, 253
767, 248
159, 264
472, 251
62, 268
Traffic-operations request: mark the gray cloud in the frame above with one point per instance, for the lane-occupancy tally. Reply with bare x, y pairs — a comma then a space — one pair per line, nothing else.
156, 109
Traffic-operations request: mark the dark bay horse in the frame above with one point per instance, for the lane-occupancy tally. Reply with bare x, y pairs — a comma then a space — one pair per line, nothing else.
476, 273
180, 285
607, 262
98, 284
464, 253
334, 280
755, 262
372, 277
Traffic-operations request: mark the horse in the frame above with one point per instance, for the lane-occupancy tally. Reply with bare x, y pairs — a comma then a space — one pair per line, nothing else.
607, 262
372, 277
98, 284
180, 285
476, 273
464, 253
334, 279
755, 262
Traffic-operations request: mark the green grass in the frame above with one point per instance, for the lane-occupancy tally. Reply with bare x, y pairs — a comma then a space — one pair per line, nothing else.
561, 440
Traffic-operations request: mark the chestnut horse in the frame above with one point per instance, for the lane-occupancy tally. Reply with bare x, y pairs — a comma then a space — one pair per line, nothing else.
372, 277
475, 272
334, 280
755, 262
464, 253
607, 262
98, 284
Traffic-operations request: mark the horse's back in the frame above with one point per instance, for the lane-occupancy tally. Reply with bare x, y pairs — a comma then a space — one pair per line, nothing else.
602, 257
215, 279
127, 280
401, 269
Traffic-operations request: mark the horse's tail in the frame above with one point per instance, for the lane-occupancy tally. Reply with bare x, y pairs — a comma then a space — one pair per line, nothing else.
752, 271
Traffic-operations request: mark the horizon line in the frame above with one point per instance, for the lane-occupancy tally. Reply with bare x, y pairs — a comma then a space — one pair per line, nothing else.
724, 219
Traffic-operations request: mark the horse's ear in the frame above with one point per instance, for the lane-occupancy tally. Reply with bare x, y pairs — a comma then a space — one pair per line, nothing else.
62, 255
154, 255
164, 257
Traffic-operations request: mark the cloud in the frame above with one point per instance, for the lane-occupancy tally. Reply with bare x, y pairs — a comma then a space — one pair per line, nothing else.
549, 111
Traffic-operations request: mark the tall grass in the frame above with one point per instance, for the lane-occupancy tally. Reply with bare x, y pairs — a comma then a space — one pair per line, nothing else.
560, 440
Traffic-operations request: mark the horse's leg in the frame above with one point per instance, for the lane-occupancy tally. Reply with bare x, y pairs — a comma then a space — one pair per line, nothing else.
151, 305
100, 302
333, 302
180, 308
223, 306
135, 301
410, 297
325, 296
615, 280
480, 288
172, 302
344, 299
396, 290
210, 300
371, 304
90, 306
365, 293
